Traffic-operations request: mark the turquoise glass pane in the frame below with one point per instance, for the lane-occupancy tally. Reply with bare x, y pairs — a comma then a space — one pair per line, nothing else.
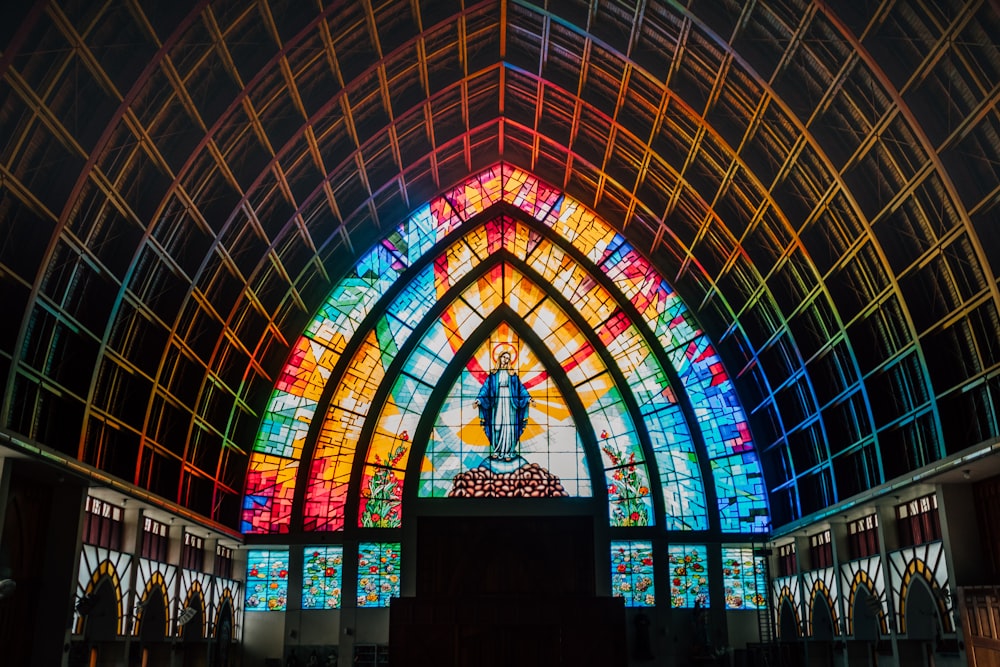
322, 574
688, 576
378, 573
743, 578
267, 580
632, 573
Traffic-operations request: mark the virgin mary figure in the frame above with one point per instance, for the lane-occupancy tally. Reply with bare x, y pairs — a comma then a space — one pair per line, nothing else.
503, 408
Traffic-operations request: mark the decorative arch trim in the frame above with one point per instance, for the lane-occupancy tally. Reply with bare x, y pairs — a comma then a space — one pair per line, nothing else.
105, 569
785, 596
155, 581
918, 569
820, 590
195, 594
862, 580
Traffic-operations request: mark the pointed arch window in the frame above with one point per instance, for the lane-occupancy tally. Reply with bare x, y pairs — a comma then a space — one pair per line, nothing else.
378, 361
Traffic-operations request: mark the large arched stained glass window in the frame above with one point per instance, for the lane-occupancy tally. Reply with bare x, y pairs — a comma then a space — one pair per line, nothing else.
383, 361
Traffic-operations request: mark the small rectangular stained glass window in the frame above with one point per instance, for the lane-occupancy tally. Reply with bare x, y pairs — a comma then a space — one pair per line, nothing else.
378, 573
918, 521
743, 578
322, 574
223, 562
632, 573
688, 576
267, 580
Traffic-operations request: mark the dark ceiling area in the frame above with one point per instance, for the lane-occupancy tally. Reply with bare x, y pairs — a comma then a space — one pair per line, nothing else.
182, 184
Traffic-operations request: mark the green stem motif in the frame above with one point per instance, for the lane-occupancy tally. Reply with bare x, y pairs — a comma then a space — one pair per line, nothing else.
383, 490
627, 492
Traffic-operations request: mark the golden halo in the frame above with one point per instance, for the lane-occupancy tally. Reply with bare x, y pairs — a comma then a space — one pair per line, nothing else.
500, 348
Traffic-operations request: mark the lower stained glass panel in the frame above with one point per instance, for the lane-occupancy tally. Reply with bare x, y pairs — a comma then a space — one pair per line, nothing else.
378, 573
322, 574
743, 579
688, 576
632, 573
267, 580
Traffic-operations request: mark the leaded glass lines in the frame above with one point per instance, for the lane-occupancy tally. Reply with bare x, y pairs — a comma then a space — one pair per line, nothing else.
399, 289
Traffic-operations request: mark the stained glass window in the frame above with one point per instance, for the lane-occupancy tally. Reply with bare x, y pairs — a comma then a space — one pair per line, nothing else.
688, 575
743, 578
267, 580
663, 322
322, 574
632, 573
545, 457
378, 573
628, 484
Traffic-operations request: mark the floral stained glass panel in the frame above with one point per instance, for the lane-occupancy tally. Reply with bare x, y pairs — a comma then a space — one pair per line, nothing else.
378, 573
632, 573
267, 580
743, 579
322, 574
688, 576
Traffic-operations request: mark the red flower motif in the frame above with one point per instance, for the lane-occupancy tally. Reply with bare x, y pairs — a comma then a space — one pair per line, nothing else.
330, 571
373, 569
647, 561
282, 574
621, 567
634, 516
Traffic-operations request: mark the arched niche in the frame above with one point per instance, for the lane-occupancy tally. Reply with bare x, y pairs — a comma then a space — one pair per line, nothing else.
224, 631
100, 609
920, 612
866, 616
788, 622
194, 630
821, 619
153, 622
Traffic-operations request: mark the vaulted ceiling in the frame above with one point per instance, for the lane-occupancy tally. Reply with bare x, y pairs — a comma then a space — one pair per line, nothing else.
180, 188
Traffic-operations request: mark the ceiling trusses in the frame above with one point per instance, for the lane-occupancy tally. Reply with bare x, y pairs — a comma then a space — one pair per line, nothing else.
179, 189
